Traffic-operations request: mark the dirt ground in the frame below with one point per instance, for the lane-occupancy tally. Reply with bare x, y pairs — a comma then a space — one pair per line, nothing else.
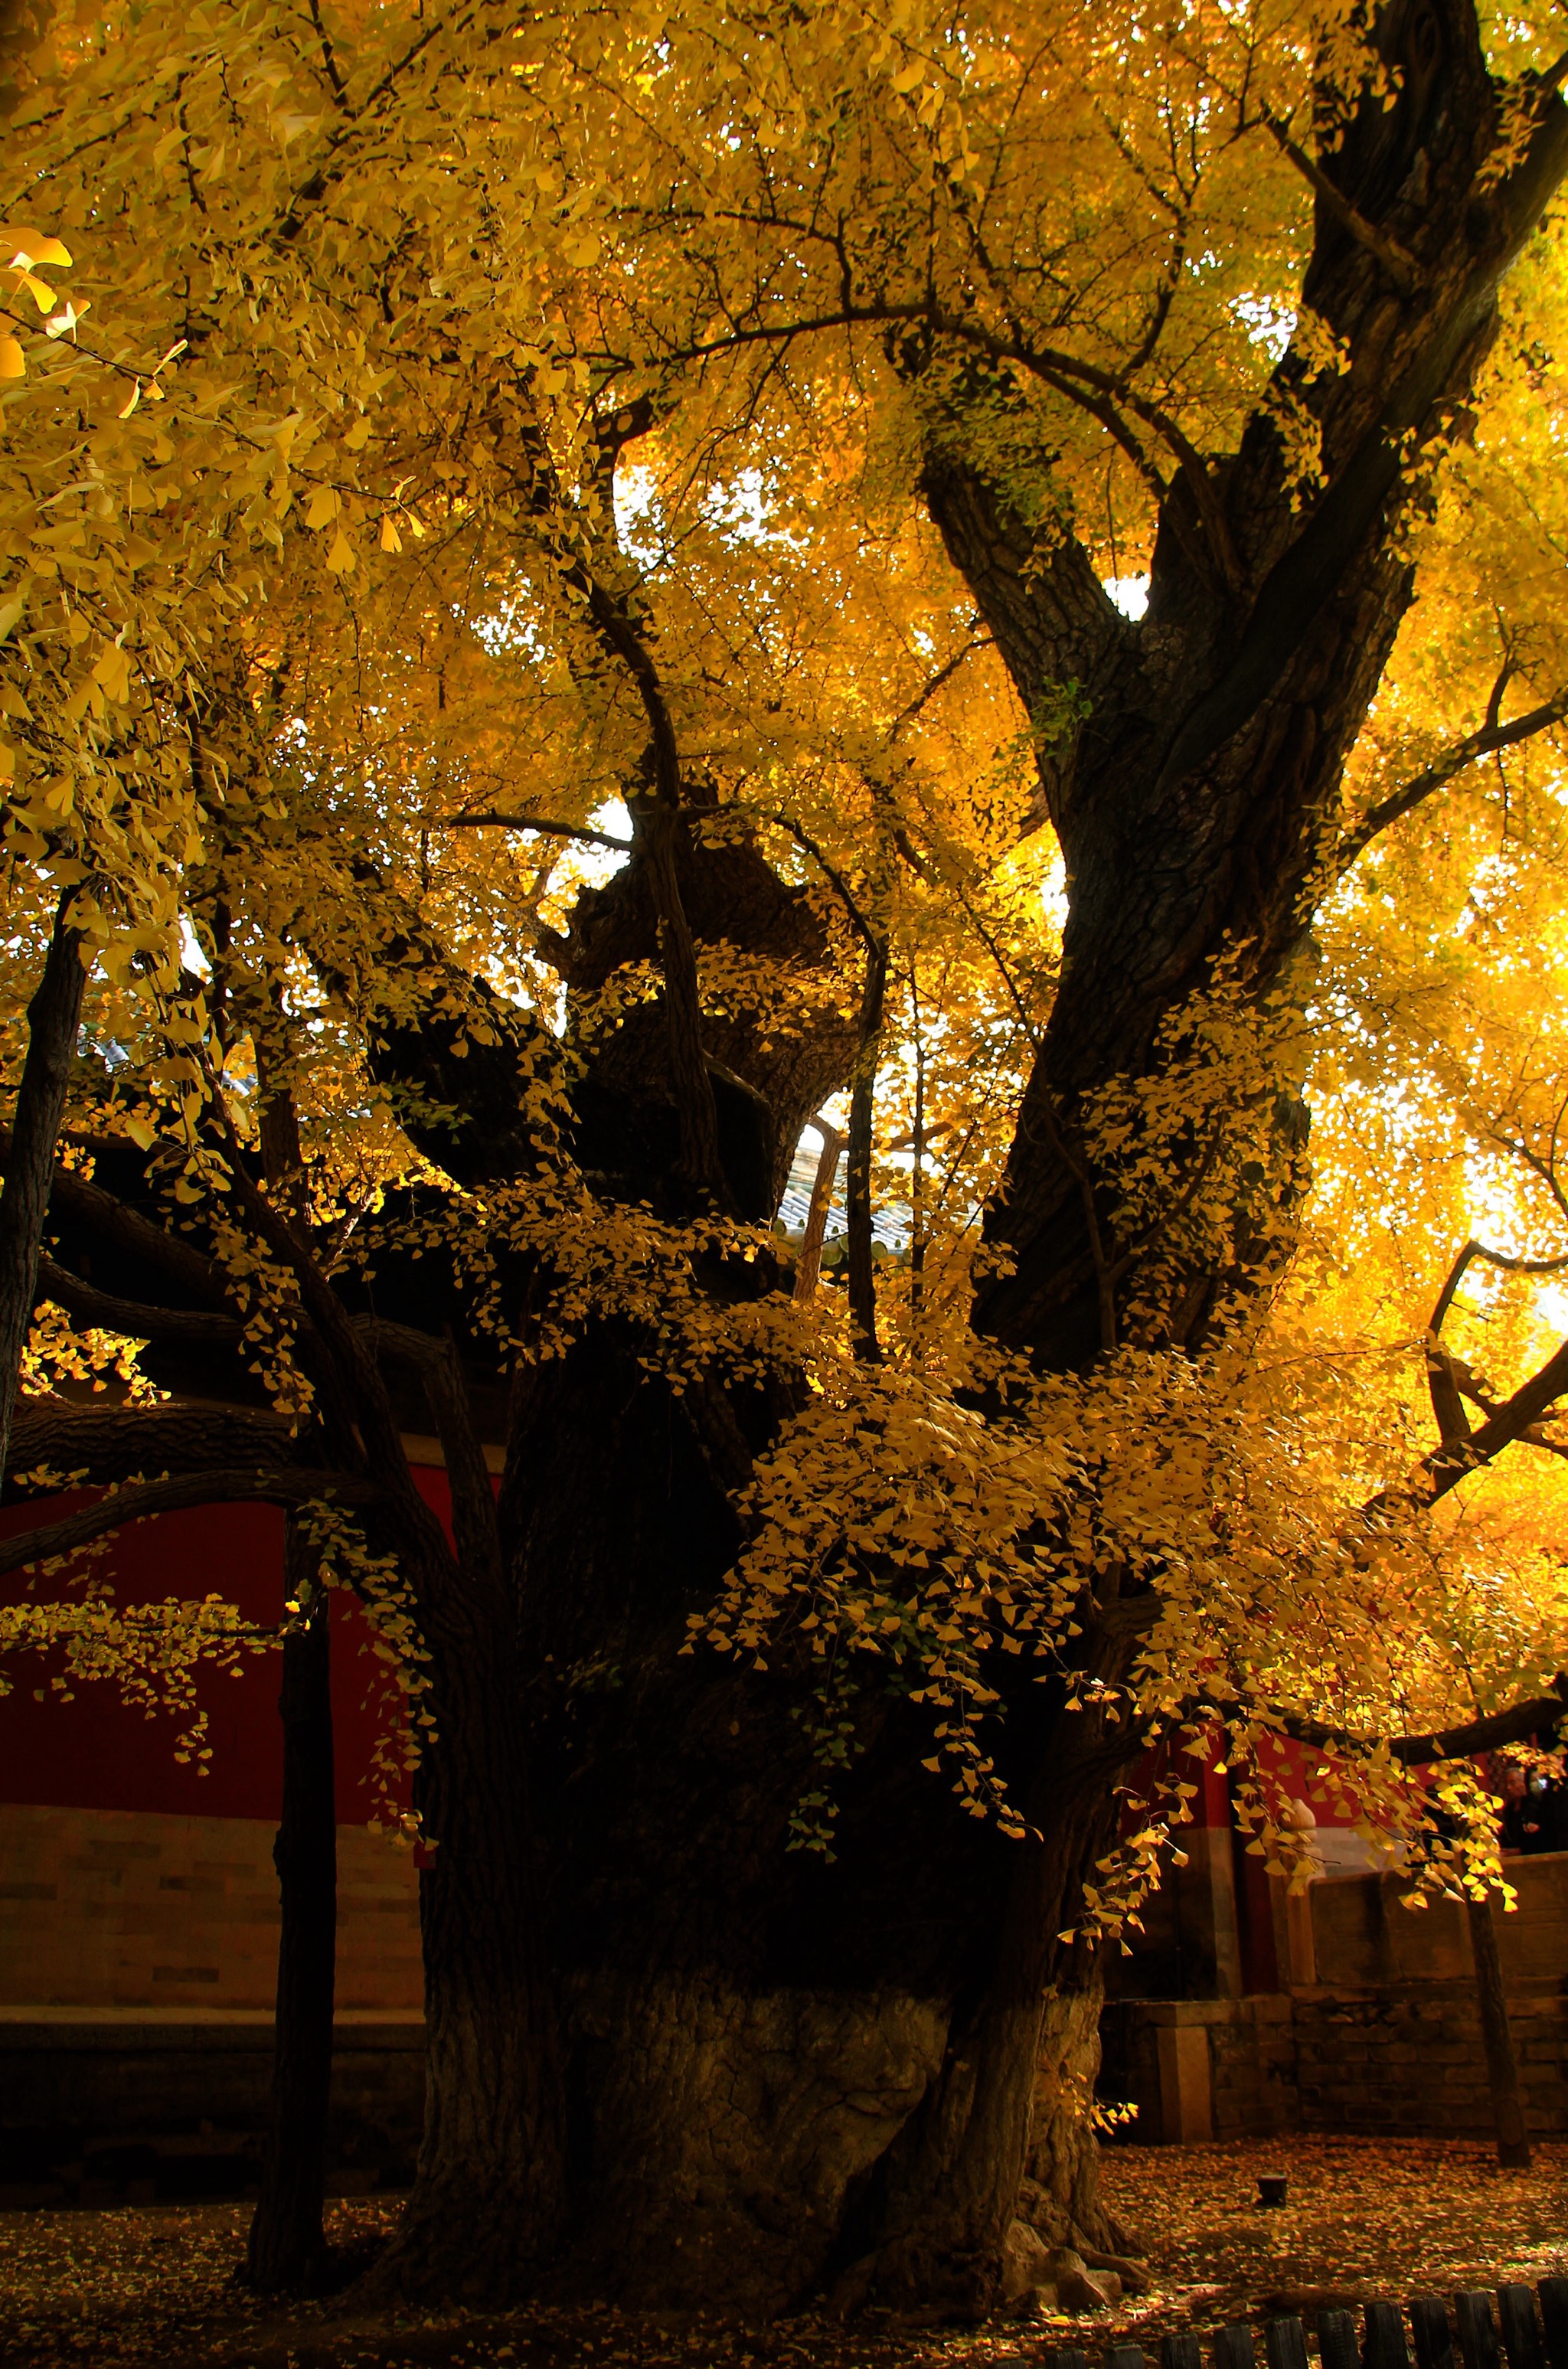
1365, 2218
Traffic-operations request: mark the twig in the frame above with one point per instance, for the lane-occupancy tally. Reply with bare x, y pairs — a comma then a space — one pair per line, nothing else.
545, 828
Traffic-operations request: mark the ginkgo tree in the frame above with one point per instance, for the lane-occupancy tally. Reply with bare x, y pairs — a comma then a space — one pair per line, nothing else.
592, 586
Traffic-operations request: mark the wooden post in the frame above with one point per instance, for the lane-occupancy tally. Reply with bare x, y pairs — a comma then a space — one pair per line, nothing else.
1336, 2341
1284, 2341
1434, 2337
1521, 2329
1553, 2294
1477, 2329
1234, 2347
1502, 2065
1386, 2345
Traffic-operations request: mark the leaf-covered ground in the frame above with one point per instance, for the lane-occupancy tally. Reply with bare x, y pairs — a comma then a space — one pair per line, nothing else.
143, 2283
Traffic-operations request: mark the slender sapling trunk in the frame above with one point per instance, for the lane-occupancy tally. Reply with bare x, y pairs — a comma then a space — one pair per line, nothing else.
53, 1017
1502, 2064
287, 2246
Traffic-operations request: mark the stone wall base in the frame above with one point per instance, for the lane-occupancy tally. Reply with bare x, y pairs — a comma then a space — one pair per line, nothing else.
1396, 2059
98, 2107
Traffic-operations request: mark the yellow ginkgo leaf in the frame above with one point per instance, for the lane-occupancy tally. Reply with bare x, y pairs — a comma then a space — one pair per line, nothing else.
32, 247
42, 294
13, 362
112, 674
322, 507
65, 320
341, 558
390, 538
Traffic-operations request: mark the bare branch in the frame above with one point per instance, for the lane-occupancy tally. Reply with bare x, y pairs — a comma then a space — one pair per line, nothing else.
929, 688
840, 887
1485, 741
537, 823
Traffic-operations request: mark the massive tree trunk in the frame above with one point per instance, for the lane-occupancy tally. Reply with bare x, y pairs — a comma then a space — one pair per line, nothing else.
790, 2080
788, 2077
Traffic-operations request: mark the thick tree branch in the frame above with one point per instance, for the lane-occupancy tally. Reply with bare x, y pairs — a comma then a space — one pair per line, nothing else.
1514, 1725
1447, 1467
77, 1196
191, 1328
225, 1485
111, 1443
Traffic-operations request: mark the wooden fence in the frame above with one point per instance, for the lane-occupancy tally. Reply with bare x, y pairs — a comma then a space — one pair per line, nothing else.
1513, 2334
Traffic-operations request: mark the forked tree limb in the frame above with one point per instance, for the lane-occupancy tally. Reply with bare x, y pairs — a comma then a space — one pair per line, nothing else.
1307, 572
1445, 1375
1452, 1462
1399, 266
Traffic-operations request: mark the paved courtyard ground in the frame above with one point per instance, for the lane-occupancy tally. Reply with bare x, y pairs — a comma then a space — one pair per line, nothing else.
125, 2288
